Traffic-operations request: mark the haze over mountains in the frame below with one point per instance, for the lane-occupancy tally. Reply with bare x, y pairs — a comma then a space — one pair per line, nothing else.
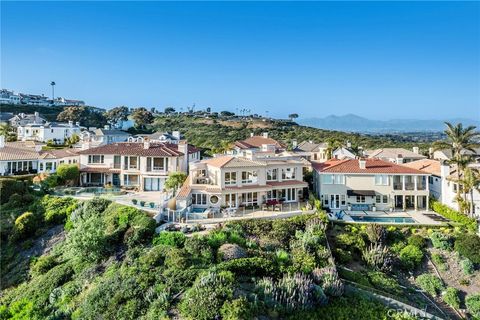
355, 123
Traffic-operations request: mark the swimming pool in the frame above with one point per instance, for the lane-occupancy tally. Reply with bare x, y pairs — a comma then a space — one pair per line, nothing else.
197, 210
383, 219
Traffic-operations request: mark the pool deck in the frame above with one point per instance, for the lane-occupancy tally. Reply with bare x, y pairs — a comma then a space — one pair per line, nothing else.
418, 216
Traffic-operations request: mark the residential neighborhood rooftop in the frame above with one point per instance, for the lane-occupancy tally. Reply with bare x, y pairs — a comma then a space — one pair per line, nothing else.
372, 166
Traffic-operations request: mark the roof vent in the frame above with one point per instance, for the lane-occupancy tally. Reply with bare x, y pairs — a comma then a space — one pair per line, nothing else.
362, 163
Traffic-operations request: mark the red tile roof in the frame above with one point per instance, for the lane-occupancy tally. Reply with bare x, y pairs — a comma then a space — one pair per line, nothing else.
136, 149
426, 165
372, 166
257, 142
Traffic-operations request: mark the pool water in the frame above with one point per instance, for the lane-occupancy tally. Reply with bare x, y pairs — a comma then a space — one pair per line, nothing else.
78, 191
383, 219
198, 210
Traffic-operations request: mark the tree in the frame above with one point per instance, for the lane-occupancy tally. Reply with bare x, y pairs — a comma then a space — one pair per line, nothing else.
175, 180
142, 117
74, 138
116, 115
227, 114
293, 116
332, 145
470, 182
87, 116
68, 172
169, 110
7, 131
459, 140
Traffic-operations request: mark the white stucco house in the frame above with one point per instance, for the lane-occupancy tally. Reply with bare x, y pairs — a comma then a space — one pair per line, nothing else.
55, 131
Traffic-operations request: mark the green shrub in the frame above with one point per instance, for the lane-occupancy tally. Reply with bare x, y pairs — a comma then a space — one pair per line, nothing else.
342, 256
439, 261
450, 296
57, 209
467, 266
473, 304
382, 282
411, 257
417, 241
237, 309
25, 224
170, 238
468, 246
9, 186
42, 265
198, 250
469, 223
349, 240
206, 297
254, 267
430, 284
441, 240
354, 276
67, 172
302, 261
141, 231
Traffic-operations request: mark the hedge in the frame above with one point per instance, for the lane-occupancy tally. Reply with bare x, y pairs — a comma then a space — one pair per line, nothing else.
469, 223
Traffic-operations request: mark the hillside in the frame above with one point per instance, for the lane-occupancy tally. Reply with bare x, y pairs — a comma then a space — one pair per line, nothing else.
49, 113
212, 134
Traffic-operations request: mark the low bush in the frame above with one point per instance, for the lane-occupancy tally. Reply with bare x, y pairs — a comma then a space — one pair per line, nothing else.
468, 246
430, 284
9, 186
237, 309
206, 297
450, 296
170, 238
473, 305
25, 225
439, 261
467, 266
42, 265
253, 267
469, 223
417, 241
354, 276
441, 240
383, 282
57, 209
410, 257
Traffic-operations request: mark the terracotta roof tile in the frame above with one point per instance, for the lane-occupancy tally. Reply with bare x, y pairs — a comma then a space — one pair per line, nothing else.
372, 166
425, 165
257, 142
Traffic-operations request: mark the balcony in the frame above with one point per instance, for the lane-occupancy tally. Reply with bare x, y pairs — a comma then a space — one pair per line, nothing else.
202, 180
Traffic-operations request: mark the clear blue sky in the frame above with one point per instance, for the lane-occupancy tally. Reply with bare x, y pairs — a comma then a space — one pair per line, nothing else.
376, 59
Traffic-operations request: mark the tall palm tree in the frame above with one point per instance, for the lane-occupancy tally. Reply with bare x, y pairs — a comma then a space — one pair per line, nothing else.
471, 182
459, 140
332, 145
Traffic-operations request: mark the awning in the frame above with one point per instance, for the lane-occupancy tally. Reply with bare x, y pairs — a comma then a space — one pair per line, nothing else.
354, 193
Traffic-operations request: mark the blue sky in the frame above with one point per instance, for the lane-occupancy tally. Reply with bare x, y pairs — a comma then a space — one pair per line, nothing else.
381, 60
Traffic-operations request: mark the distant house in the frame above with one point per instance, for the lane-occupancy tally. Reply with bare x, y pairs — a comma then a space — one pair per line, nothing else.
446, 154
165, 137
257, 144
23, 119
55, 131
99, 136
9, 97
343, 153
311, 150
396, 155
5, 117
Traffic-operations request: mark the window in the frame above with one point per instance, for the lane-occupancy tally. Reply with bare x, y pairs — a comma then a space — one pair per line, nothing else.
95, 158
342, 199
249, 177
378, 199
230, 178
250, 198
339, 179
152, 184
214, 199
48, 166
381, 180
327, 179
41, 166
199, 198
385, 199
272, 174
360, 199
288, 173
117, 162
130, 180
130, 162
159, 164
231, 200
325, 200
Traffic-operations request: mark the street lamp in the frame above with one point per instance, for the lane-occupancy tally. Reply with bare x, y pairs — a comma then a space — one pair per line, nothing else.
53, 90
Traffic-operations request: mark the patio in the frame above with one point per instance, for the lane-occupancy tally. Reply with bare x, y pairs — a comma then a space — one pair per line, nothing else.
419, 217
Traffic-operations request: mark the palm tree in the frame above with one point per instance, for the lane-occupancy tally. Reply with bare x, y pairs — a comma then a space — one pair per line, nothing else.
6, 130
332, 145
471, 182
459, 140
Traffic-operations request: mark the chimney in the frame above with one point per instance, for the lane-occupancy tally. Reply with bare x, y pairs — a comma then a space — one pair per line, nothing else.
294, 143
430, 152
416, 150
349, 144
251, 134
362, 163
146, 144
2, 141
70, 123
265, 134
399, 159
183, 148
37, 117
444, 169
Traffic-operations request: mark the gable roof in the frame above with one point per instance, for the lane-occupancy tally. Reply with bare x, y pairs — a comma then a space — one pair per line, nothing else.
425, 165
310, 146
372, 166
392, 153
257, 142
110, 132
16, 152
58, 153
136, 149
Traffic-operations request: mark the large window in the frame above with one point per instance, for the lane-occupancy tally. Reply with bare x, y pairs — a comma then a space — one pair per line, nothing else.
117, 162
327, 178
381, 199
250, 198
333, 179
152, 184
231, 200
130, 162
272, 174
360, 199
157, 164
199, 198
96, 158
230, 178
130, 180
249, 177
381, 180
288, 173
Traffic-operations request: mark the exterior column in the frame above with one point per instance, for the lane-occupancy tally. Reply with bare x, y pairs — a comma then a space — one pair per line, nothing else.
415, 182
415, 199
427, 205
403, 184
404, 204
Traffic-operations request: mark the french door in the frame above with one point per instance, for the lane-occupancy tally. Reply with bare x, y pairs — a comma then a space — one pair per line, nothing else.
334, 201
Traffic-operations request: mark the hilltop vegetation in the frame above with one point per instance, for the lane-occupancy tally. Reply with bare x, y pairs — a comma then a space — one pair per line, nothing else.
215, 134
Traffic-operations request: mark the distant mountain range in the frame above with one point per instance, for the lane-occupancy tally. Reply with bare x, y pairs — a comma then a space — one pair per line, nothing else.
354, 123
